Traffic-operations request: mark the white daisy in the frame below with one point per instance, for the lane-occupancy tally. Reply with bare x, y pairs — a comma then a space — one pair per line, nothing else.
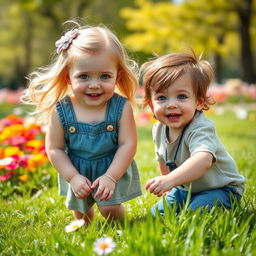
6, 161
74, 225
104, 245
241, 113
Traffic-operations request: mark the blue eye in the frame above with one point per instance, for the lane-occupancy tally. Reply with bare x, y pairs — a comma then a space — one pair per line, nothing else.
161, 98
182, 97
84, 76
104, 76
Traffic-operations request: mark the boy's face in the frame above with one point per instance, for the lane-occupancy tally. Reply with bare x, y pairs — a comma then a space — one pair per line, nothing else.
176, 106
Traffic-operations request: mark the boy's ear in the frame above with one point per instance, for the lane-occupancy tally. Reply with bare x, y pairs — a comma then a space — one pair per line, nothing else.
200, 104
151, 106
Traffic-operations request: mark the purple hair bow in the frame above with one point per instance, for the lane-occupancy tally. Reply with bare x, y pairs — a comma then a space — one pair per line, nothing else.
64, 42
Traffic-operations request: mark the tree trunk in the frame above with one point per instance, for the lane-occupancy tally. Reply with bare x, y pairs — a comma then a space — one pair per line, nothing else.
244, 11
28, 49
218, 61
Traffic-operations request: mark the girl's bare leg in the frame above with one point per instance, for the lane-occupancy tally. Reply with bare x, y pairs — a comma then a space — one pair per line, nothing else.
87, 217
112, 212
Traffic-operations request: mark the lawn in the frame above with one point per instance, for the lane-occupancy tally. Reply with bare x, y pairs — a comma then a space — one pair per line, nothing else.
34, 224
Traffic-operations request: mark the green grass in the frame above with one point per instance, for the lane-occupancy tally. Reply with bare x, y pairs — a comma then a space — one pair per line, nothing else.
35, 225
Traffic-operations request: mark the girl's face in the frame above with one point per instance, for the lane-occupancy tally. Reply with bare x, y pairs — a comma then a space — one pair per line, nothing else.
93, 79
176, 106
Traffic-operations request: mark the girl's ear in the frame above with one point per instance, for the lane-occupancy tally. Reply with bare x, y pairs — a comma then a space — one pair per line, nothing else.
200, 104
119, 75
67, 79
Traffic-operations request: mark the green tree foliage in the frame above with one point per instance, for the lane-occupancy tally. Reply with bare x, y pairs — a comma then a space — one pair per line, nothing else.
212, 27
29, 29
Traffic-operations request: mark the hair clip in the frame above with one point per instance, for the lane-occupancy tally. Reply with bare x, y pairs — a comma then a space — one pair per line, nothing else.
64, 42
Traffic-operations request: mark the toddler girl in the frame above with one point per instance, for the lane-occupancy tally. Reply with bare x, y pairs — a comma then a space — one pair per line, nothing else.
85, 97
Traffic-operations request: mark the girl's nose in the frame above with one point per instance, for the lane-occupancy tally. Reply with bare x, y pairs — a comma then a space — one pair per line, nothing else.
94, 85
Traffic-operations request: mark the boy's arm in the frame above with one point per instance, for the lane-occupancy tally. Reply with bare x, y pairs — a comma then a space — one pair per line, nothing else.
163, 168
192, 169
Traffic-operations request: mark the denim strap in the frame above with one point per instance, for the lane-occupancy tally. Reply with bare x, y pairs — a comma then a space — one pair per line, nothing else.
115, 109
69, 110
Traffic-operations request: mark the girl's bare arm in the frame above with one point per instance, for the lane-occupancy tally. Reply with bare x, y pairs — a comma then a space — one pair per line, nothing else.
55, 144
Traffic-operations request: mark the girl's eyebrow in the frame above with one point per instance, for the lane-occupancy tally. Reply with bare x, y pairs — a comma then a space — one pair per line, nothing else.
182, 90
100, 72
108, 72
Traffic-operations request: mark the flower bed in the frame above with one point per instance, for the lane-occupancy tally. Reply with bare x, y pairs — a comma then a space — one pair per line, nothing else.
24, 165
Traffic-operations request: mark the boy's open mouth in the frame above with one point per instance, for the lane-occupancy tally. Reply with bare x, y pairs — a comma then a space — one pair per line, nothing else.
173, 116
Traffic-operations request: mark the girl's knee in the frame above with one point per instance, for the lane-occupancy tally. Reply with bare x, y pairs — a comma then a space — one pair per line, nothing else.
86, 216
115, 211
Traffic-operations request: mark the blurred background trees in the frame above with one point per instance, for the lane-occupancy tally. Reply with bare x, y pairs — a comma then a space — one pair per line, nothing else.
224, 31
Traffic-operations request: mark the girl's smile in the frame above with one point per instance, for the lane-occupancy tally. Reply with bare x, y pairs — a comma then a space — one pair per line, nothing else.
93, 96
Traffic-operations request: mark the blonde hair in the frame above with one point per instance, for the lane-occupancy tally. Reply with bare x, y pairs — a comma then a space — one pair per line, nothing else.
49, 84
160, 73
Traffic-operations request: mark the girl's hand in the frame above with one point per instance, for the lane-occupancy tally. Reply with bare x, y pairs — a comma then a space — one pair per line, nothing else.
106, 187
158, 185
81, 186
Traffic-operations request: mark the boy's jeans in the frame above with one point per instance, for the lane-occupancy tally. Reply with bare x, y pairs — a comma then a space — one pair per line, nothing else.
207, 198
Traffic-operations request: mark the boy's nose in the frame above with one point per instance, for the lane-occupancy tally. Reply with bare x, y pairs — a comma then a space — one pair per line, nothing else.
171, 104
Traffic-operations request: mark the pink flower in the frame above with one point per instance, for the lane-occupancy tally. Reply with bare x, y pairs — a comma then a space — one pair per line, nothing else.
14, 165
32, 132
145, 117
11, 163
24, 160
16, 141
7, 176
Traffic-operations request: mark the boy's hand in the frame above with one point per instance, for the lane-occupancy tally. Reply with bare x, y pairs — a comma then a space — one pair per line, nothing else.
105, 189
158, 185
81, 186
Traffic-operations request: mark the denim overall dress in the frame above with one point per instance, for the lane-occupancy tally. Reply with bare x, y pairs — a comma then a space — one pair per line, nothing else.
91, 149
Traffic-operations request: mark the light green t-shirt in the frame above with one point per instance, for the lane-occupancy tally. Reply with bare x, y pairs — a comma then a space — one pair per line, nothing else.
200, 135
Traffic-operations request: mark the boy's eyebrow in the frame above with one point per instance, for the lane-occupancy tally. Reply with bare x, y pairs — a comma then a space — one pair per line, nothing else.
182, 90
157, 92
177, 91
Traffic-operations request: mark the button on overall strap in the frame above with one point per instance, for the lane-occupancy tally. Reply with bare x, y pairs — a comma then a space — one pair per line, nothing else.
67, 114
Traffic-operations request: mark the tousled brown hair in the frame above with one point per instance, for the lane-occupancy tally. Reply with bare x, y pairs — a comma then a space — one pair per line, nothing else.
158, 74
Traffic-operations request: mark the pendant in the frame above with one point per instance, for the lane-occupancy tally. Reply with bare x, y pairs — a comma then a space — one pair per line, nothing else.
172, 165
